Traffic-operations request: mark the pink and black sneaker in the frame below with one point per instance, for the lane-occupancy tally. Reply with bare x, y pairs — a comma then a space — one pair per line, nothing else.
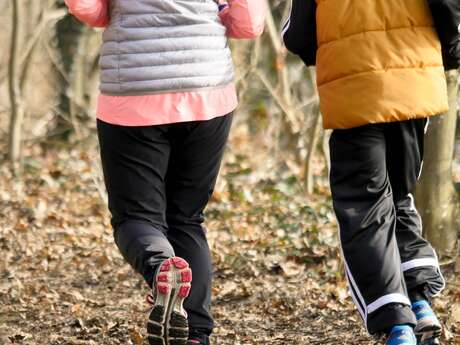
167, 324
195, 342
197, 337
198, 342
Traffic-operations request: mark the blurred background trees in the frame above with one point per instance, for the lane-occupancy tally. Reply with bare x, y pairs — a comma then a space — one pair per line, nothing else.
48, 92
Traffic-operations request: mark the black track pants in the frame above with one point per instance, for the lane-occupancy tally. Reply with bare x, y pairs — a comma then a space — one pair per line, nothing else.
159, 180
374, 169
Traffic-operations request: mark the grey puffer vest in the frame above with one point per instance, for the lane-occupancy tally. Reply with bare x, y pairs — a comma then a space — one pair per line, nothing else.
157, 46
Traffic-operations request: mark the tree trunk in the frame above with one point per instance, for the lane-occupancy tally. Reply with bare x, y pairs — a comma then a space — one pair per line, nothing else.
313, 142
17, 109
435, 194
69, 32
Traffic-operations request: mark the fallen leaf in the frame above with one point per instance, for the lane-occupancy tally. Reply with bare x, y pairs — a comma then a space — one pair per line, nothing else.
136, 336
291, 269
455, 312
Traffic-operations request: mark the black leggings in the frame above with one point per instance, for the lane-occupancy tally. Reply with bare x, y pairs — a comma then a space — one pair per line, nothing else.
159, 180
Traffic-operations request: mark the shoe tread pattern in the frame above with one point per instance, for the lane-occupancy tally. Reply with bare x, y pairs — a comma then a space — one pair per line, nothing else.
167, 324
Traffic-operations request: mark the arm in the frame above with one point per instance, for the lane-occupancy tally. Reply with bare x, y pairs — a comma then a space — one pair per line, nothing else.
243, 18
446, 17
91, 12
299, 32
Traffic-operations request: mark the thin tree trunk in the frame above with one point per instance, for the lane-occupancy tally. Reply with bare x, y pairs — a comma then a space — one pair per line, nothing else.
68, 32
435, 195
79, 77
17, 109
308, 164
325, 149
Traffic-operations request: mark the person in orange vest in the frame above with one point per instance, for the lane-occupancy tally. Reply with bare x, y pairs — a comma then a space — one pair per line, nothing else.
380, 76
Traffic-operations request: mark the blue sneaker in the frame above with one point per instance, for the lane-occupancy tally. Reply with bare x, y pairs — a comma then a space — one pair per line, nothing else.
428, 328
401, 335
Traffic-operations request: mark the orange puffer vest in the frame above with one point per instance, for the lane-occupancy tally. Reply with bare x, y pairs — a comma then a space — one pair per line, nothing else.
378, 61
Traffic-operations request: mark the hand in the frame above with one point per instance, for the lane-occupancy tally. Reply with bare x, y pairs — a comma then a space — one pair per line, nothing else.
223, 4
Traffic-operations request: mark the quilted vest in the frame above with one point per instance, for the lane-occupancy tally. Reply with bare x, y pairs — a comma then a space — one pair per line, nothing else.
164, 46
378, 61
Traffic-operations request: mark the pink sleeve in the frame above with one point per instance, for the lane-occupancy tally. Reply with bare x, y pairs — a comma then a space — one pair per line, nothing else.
91, 12
243, 18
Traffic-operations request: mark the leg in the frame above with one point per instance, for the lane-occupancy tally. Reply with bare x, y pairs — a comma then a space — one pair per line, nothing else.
419, 261
404, 162
134, 161
195, 161
363, 203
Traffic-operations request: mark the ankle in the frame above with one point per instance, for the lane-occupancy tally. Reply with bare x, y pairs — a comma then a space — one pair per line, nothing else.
419, 293
422, 303
401, 335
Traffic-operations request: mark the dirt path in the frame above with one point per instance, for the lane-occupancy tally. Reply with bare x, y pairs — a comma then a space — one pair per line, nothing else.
277, 273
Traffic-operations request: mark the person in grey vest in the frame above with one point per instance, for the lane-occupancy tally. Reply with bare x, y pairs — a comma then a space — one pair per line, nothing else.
164, 115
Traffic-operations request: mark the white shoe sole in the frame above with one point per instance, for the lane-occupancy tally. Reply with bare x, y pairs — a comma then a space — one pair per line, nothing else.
167, 324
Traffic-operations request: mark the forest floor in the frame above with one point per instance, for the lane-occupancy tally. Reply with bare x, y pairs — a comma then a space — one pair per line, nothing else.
278, 276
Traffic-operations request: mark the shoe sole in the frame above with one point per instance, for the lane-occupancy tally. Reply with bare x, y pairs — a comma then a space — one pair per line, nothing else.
167, 324
428, 335
431, 341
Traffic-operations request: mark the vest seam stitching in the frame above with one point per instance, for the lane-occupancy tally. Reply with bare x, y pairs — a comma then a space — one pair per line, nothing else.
167, 51
169, 78
170, 91
166, 64
171, 51
171, 37
378, 70
380, 30
213, 12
